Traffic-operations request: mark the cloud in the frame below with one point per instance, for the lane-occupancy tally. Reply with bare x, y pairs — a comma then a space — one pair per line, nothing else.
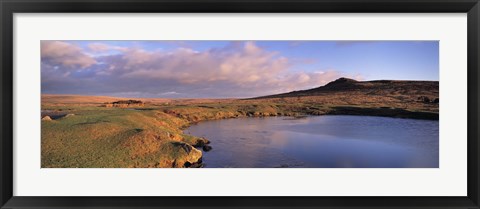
242, 65
65, 54
169, 93
98, 47
239, 69
101, 47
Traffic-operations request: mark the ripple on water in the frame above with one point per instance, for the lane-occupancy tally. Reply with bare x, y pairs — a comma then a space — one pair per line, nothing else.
320, 142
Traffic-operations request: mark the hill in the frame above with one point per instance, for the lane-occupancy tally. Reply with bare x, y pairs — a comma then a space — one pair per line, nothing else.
392, 88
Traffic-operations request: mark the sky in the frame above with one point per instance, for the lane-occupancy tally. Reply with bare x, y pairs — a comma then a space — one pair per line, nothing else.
226, 69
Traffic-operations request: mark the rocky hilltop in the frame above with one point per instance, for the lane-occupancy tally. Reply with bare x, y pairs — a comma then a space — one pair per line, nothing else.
344, 96
424, 91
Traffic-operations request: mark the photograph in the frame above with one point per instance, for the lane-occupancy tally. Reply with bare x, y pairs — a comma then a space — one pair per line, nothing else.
239, 104
268, 104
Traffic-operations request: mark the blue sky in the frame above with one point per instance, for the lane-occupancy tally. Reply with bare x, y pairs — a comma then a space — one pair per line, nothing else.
217, 69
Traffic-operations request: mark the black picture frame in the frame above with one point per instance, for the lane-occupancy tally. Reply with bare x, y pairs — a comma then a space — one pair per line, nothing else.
10, 7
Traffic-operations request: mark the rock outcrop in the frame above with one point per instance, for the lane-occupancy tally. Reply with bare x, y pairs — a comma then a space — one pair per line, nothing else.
191, 158
125, 103
207, 148
427, 100
46, 118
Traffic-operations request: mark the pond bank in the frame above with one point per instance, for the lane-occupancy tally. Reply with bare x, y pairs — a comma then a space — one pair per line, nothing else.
153, 136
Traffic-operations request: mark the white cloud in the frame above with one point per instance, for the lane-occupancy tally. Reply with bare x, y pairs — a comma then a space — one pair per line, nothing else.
241, 69
101, 47
66, 54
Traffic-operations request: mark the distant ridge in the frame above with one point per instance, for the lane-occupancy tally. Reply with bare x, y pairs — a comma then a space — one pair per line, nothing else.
375, 87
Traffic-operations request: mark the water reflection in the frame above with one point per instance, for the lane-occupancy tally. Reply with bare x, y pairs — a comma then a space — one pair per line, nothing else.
320, 142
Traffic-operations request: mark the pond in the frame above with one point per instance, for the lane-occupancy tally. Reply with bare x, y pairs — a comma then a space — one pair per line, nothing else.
320, 142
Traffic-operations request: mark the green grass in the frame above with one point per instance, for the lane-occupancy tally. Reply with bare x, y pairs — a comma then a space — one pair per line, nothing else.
102, 137
99, 137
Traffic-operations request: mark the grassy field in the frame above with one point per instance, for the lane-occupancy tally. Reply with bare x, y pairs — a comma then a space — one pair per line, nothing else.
101, 137
84, 134
151, 136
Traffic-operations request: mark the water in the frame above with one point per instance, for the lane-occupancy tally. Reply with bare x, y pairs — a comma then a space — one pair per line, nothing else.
320, 142
53, 114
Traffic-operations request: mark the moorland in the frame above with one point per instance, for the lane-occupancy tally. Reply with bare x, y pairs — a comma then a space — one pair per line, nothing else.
81, 131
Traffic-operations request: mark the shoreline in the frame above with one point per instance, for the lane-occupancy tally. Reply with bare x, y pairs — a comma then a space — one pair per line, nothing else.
230, 139
339, 111
153, 136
